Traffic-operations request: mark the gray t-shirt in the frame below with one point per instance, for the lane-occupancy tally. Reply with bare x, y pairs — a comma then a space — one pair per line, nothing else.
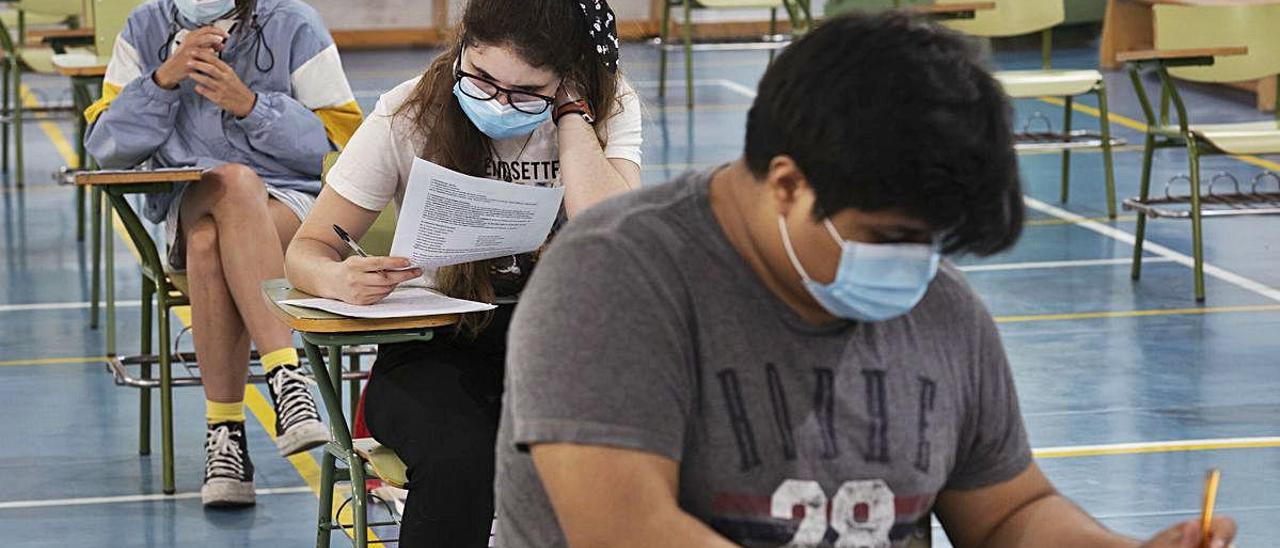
644, 329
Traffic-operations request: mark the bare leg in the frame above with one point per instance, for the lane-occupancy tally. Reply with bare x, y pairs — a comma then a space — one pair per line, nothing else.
221, 340
249, 245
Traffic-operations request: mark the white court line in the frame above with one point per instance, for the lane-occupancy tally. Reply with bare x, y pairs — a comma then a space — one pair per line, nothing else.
85, 501
734, 86
59, 306
1059, 264
1155, 248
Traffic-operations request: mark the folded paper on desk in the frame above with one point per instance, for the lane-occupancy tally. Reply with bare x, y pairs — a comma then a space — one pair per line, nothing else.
404, 302
450, 218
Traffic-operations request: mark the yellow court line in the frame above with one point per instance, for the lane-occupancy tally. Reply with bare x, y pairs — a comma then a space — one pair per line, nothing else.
1155, 447
54, 361
51, 130
1138, 313
1134, 124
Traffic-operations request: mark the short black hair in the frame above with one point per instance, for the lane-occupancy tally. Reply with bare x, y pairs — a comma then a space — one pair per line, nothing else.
892, 112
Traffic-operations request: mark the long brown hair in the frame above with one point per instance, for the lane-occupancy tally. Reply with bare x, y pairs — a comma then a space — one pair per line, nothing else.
546, 34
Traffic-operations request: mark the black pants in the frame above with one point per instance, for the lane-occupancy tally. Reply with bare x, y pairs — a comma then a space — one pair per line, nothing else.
437, 405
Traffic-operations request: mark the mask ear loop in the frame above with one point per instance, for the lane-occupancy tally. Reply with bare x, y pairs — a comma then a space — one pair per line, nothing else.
260, 43
791, 252
835, 234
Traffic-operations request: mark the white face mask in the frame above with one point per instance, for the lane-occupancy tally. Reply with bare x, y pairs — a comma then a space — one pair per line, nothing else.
874, 282
203, 12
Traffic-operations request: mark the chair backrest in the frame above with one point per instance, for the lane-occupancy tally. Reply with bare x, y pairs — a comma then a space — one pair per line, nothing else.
109, 18
67, 8
1010, 17
1252, 26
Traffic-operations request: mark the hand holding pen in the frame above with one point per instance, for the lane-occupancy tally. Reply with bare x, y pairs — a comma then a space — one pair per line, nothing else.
366, 279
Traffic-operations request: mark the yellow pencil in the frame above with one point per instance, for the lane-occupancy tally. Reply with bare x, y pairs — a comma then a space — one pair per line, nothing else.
1210, 497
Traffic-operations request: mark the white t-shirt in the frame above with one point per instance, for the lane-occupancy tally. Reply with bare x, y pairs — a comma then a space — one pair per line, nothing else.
374, 167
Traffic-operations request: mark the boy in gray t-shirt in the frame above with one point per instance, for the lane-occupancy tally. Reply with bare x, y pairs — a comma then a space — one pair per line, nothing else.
772, 353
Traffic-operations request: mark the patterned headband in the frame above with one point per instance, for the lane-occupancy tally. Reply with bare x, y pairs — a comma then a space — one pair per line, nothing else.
602, 26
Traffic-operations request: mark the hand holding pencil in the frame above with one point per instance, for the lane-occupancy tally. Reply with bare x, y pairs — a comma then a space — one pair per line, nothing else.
1206, 532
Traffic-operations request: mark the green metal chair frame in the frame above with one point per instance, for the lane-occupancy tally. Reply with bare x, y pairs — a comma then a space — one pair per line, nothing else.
155, 284
798, 12
1242, 47
168, 289
341, 447
1161, 133
1021, 17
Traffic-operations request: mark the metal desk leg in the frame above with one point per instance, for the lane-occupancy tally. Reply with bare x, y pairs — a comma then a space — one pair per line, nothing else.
166, 391
144, 394
109, 264
151, 260
96, 259
328, 383
353, 365
355, 466
80, 91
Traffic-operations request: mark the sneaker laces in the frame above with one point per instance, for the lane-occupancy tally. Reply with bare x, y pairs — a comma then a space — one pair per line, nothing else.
223, 454
293, 399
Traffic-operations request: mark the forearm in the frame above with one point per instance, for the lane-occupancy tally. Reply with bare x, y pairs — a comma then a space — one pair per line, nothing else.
310, 265
587, 175
1054, 520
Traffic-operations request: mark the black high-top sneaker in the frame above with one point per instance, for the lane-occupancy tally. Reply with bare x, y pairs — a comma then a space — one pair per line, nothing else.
228, 472
298, 426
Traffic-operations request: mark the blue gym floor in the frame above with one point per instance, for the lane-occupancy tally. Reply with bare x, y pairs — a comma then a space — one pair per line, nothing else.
1100, 360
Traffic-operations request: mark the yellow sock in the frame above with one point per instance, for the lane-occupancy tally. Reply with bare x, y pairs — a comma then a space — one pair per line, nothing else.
276, 358
216, 412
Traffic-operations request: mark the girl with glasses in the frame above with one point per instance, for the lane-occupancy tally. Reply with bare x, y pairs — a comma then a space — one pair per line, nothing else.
530, 93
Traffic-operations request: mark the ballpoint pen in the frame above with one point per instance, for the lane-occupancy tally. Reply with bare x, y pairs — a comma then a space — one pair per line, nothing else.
346, 238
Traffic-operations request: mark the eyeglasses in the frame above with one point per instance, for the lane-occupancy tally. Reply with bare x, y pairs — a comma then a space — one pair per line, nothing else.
478, 87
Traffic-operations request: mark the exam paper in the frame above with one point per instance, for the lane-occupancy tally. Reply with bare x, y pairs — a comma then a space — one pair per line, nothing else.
404, 302
449, 218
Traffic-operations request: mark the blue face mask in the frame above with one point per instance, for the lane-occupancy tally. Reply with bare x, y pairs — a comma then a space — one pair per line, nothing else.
874, 282
203, 12
495, 119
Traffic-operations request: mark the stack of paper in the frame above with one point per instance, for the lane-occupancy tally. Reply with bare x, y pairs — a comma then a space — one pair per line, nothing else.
450, 218
404, 302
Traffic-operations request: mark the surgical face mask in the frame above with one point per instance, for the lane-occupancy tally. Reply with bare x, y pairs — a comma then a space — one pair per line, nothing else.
495, 119
203, 12
874, 282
